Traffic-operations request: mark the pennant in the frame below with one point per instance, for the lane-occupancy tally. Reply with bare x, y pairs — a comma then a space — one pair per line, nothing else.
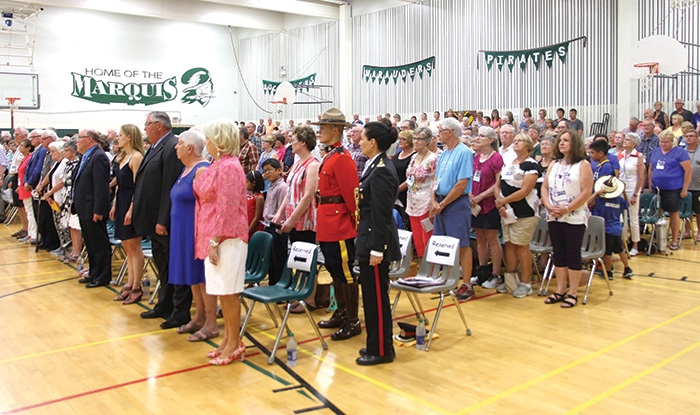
385, 73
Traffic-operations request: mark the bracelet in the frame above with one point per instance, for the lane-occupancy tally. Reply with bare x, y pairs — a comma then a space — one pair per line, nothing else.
567, 208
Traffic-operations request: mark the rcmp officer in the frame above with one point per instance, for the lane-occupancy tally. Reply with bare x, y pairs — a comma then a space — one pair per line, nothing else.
377, 240
336, 224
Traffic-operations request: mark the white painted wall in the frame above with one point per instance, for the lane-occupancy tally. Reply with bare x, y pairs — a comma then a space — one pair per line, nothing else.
73, 40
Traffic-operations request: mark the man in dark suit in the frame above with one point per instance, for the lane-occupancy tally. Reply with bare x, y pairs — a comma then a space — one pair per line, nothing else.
154, 179
91, 204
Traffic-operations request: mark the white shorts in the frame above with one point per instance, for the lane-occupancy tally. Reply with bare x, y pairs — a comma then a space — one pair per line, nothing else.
228, 276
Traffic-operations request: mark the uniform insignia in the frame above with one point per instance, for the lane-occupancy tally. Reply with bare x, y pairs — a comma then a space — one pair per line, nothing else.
381, 163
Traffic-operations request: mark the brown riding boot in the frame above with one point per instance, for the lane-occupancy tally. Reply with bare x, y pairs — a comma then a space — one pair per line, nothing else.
339, 315
351, 326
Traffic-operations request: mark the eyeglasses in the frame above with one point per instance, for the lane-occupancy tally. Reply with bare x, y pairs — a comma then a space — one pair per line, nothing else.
150, 122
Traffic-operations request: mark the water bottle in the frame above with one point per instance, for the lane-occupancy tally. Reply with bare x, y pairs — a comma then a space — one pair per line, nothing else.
81, 264
146, 286
291, 351
420, 335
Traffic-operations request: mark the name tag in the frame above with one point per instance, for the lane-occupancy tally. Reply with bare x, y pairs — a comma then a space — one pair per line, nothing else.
559, 196
410, 181
660, 164
477, 176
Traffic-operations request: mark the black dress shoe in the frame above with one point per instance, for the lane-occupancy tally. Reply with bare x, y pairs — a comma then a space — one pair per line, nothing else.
95, 284
347, 331
84, 280
168, 324
363, 352
336, 321
369, 360
152, 314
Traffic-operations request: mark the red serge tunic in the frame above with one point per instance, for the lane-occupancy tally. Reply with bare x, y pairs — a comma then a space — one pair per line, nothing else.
337, 177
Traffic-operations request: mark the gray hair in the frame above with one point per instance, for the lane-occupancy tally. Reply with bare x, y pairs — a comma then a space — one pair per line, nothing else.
634, 137
194, 138
424, 131
71, 145
163, 118
56, 145
452, 124
548, 137
22, 130
489, 132
50, 133
508, 127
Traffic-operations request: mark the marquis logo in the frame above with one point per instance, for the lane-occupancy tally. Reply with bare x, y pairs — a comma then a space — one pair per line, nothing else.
132, 87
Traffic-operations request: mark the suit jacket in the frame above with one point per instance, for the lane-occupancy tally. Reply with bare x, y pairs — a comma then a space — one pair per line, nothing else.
377, 192
91, 186
154, 179
34, 167
337, 177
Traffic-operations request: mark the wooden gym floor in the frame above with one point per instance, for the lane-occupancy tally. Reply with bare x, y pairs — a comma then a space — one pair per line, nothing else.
68, 350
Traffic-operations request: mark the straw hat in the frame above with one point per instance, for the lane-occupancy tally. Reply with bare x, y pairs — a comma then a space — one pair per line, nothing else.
611, 185
332, 116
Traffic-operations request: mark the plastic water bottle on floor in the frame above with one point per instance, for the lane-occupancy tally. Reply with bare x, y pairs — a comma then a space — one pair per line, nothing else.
420, 335
81, 264
146, 286
291, 351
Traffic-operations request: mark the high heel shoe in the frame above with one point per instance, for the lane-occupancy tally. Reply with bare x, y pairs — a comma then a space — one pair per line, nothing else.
135, 296
213, 354
123, 294
239, 354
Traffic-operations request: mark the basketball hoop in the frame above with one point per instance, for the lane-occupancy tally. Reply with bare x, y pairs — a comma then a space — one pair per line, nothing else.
645, 73
14, 105
277, 109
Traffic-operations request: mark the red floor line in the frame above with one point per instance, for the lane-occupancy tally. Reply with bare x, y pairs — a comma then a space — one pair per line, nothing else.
112, 387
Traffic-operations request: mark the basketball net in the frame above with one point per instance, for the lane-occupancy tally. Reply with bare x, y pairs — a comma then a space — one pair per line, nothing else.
646, 72
278, 106
14, 105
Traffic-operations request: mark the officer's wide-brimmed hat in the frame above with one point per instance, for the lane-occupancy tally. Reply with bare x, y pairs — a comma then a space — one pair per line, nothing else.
611, 185
332, 116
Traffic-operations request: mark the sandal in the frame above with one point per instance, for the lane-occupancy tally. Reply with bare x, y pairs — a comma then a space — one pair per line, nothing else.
568, 303
135, 296
674, 246
124, 294
299, 309
554, 298
190, 327
201, 335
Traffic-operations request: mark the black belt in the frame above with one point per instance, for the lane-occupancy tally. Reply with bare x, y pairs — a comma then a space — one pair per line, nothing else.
326, 200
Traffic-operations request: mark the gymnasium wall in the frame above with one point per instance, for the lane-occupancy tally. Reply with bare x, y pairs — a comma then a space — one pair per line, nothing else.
93, 66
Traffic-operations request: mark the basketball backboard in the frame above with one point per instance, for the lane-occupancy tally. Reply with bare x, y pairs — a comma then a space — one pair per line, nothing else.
20, 85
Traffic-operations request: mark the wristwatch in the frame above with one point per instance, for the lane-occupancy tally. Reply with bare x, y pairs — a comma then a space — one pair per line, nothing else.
213, 243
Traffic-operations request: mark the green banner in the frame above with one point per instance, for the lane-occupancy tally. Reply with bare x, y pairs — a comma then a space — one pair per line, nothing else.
385, 73
270, 87
521, 57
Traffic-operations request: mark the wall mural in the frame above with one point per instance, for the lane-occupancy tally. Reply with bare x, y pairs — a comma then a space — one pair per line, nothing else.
521, 57
98, 85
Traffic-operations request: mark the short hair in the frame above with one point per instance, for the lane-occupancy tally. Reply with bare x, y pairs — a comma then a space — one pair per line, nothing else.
408, 136
306, 135
549, 137
634, 137
452, 124
691, 131
71, 145
224, 135
603, 136
489, 132
549, 121
274, 163
578, 149
599, 146
270, 138
635, 119
562, 110
256, 178
424, 131
195, 138
385, 135
411, 123
50, 133
527, 140
135, 136
658, 103
528, 110
243, 132
27, 143
678, 117
397, 117
163, 118
666, 135
544, 110
57, 146
508, 127
573, 110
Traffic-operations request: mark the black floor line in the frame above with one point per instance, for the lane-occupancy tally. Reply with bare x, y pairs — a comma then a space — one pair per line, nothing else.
326, 403
38, 286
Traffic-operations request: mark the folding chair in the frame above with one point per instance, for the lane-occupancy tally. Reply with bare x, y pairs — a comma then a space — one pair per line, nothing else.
295, 284
257, 263
399, 269
542, 245
439, 274
593, 249
686, 214
648, 215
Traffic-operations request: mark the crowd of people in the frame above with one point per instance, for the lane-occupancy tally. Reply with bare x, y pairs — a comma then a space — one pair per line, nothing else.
346, 185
